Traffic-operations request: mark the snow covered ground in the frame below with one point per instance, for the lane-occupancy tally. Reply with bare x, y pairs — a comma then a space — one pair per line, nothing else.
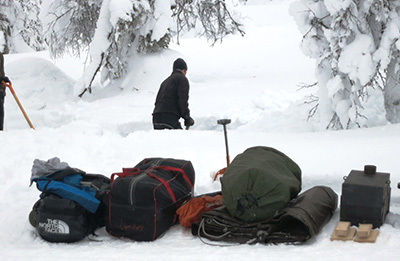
252, 80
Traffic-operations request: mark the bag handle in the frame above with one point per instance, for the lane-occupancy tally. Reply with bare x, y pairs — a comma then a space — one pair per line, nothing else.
135, 171
126, 172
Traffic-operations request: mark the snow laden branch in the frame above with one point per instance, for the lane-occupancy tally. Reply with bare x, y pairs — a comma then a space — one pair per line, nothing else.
69, 25
20, 27
215, 17
356, 47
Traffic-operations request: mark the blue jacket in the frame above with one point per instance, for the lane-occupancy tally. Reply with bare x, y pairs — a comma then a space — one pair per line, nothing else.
69, 188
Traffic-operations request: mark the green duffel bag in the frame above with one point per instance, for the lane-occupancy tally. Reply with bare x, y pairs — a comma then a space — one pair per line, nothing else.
259, 182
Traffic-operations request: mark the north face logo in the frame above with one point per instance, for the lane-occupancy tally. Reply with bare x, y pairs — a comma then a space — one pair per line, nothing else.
55, 226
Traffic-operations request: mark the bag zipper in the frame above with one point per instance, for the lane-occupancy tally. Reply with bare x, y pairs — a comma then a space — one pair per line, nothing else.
133, 185
140, 176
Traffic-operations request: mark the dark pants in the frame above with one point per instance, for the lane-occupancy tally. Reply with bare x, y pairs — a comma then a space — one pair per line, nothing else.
1, 112
169, 121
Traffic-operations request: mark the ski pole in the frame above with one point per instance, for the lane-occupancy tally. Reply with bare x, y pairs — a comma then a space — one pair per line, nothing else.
9, 85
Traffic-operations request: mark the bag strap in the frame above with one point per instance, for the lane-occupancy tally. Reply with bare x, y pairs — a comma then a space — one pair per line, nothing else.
174, 169
164, 182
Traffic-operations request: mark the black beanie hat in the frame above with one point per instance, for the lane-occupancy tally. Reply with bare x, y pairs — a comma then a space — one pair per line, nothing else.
179, 64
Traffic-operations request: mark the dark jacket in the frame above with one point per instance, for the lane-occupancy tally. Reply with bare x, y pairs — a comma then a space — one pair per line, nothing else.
2, 92
173, 96
2, 74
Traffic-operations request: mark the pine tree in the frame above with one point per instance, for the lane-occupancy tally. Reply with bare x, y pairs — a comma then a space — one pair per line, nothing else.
215, 17
130, 28
69, 25
20, 27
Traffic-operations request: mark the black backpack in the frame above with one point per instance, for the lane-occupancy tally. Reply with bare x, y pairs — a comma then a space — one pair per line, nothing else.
70, 206
143, 200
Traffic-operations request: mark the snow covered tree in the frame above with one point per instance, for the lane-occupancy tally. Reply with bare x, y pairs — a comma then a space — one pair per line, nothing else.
20, 28
128, 27
356, 46
124, 27
69, 25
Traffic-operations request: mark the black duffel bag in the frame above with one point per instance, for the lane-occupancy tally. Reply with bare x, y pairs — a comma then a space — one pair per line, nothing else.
143, 200
302, 219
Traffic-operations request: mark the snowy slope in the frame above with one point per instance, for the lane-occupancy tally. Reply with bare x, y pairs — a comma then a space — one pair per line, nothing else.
252, 80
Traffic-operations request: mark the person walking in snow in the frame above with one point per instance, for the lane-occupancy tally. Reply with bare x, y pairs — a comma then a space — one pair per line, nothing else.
2, 90
172, 100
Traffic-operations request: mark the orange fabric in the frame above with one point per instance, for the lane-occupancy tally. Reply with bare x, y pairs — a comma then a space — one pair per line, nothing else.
190, 211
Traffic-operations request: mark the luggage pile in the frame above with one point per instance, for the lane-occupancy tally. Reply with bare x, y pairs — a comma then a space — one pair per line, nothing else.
138, 203
260, 201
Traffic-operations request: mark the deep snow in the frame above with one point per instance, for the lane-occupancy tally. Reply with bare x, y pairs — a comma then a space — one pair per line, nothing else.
252, 80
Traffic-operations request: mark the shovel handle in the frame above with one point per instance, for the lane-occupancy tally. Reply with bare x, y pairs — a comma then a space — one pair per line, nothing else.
224, 122
9, 85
